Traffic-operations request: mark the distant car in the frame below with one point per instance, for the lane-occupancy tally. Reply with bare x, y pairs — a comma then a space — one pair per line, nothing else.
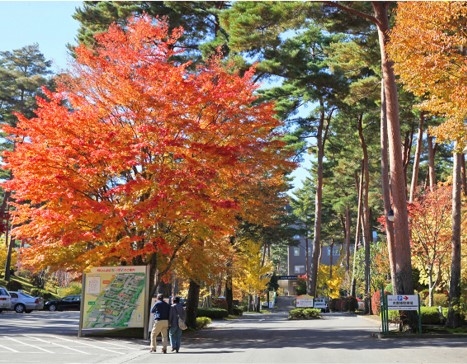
22, 302
68, 303
5, 299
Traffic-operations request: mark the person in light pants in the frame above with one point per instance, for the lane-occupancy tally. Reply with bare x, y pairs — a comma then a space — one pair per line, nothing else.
161, 311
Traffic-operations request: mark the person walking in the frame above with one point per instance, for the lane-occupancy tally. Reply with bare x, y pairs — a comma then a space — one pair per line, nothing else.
175, 332
161, 311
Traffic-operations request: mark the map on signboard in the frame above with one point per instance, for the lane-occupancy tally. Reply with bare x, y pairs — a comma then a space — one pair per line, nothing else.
114, 297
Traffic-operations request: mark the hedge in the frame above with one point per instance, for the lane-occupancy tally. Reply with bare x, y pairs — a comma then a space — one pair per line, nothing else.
212, 313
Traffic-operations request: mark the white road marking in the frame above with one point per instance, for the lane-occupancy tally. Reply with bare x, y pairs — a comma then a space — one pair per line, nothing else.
90, 345
7, 348
56, 344
33, 346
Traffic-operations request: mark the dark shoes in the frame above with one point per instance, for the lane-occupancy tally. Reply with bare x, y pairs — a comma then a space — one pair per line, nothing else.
164, 351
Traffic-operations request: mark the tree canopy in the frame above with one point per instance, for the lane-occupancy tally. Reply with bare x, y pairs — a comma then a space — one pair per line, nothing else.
429, 47
134, 155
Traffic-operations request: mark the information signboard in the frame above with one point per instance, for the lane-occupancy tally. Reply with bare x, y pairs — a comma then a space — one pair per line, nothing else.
403, 302
114, 297
287, 278
304, 301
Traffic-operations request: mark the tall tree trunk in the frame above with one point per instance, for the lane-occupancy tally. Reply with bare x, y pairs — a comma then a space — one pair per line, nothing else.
431, 163
316, 245
347, 223
229, 293
307, 260
402, 274
366, 227
385, 188
4, 215
10, 242
416, 162
353, 284
454, 315
407, 151
403, 279
192, 304
463, 175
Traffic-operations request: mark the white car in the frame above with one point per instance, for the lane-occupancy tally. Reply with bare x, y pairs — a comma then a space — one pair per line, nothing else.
22, 302
5, 299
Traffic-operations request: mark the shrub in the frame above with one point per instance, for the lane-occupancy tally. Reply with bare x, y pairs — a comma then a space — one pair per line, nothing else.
336, 305
430, 316
376, 302
219, 302
343, 304
72, 289
243, 308
439, 299
37, 292
424, 295
350, 304
37, 280
14, 286
304, 313
237, 311
394, 316
213, 313
202, 322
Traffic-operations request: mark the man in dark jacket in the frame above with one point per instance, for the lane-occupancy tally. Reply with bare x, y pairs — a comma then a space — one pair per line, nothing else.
161, 310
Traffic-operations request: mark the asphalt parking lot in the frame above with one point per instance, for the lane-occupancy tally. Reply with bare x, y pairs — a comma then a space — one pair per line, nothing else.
51, 337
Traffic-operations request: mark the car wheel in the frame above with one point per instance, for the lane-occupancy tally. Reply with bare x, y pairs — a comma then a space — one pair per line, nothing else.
52, 308
19, 308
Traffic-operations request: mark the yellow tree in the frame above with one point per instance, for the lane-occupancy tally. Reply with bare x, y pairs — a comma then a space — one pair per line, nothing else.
330, 280
251, 274
429, 47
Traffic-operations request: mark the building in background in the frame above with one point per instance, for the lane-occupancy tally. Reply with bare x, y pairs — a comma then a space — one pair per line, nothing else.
297, 259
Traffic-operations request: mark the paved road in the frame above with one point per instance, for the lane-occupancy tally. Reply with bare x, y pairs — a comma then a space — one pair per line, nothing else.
44, 337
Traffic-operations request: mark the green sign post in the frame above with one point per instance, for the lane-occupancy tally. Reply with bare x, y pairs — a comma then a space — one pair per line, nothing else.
399, 303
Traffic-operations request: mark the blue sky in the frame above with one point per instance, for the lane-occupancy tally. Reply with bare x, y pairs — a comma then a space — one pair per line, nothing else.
48, 23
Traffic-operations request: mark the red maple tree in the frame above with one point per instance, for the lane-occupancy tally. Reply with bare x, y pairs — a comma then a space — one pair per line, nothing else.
135, 154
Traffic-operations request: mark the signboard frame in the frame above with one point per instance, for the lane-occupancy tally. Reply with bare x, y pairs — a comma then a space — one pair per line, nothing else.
304, 301
108, 287
399, 303
403, 302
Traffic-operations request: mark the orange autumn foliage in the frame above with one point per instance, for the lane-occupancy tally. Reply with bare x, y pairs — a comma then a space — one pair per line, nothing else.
431, 233
429, 48
136, 154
